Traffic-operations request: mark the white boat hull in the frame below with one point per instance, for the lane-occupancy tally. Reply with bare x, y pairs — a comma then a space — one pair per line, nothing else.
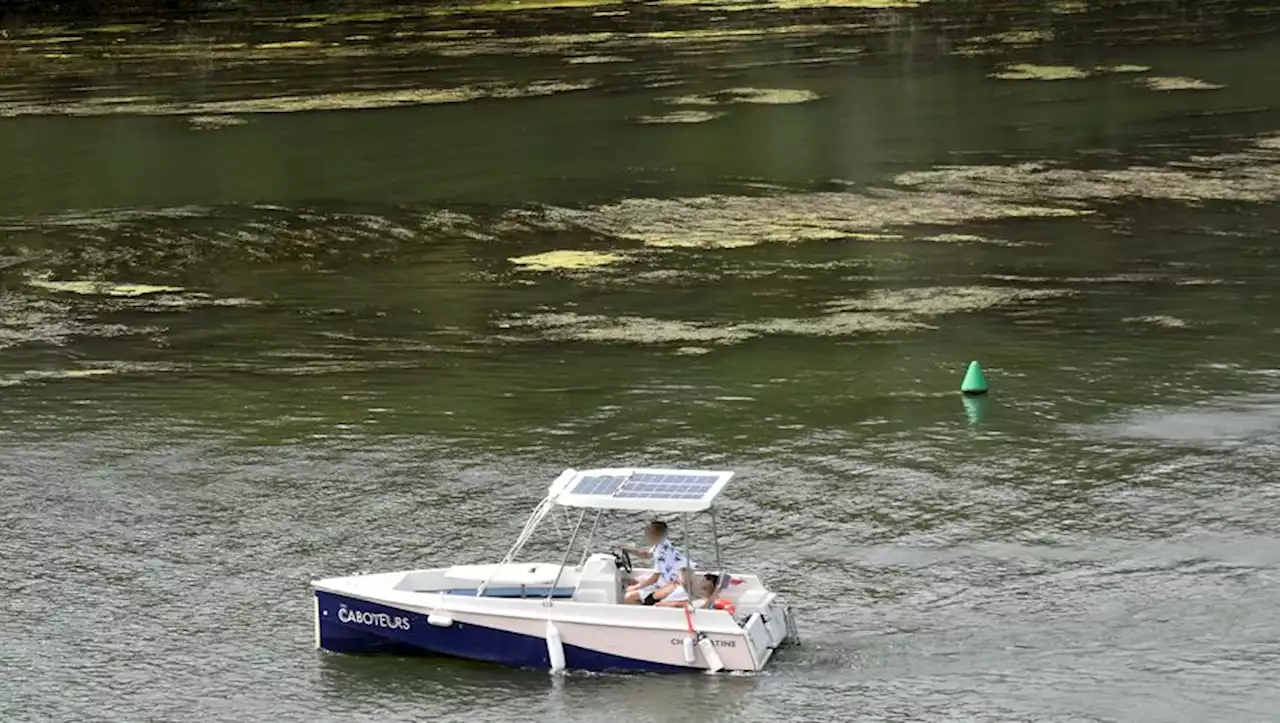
560, 617
366, 614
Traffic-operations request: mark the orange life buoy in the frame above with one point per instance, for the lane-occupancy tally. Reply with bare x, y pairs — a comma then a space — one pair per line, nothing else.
724, 605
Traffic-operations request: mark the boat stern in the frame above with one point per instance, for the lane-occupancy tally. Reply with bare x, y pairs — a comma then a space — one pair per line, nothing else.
771, 627
790, 631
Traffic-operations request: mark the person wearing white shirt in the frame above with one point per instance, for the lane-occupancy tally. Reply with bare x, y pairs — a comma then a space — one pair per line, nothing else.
669, 565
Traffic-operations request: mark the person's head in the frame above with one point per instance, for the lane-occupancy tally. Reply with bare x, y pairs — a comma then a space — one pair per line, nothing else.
655, 531
708, 584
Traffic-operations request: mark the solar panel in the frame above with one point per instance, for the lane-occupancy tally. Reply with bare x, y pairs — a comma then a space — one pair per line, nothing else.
647, 485
643, 485
659, 490
598, 485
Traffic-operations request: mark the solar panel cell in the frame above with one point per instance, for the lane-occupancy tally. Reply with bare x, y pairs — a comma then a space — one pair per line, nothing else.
598, 485
666, 486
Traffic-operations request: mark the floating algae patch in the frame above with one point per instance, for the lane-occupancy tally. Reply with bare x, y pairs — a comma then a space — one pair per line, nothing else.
37, 375
1252, 175
72, 373
712, 5
763, 96
40, 31
1068, 7
691, 100
965, 238
120, 28
56, 40
1171, 83
145, 297
883, 311
102, 288
938, 300
698, 241
1015, 37
1023, 37
860, 236
737, 221
1110, 279
974, 51
373, 16
214, 122
716, 6
288, 45
527, 5
856, 4
205, 240
681, 116
1001, 42
351, 100
596, 59
712, 35
169, 302
1027, 71
666, 276
1123, 68
649, 331
566, 260
840, 323
386, 99
770, 96
1168, 322
569, 326
553, 44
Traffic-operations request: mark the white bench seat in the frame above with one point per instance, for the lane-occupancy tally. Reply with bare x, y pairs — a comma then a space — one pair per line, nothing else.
513, 574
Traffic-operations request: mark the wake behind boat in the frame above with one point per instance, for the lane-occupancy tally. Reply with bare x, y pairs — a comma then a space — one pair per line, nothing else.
559, 615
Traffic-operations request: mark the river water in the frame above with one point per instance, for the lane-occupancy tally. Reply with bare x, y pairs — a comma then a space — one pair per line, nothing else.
329, 295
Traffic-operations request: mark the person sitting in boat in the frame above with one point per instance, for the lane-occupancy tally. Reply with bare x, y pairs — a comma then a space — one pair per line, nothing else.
706, 589
668, 563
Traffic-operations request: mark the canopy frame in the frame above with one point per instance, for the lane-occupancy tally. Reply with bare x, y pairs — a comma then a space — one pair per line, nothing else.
559, 494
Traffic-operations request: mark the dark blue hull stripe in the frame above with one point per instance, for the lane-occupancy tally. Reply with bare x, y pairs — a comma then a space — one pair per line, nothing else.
348, 625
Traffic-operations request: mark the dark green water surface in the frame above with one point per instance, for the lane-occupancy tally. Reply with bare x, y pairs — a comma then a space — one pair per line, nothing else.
248, 341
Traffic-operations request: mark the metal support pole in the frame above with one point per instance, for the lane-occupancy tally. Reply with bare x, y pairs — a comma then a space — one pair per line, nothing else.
567, 550
529, 526
715, 539
586, 545
688, 563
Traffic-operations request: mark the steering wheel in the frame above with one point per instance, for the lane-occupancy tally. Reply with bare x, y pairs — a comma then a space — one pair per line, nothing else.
623, 559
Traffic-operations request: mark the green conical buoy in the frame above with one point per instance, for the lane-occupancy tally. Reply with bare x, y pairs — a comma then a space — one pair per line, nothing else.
974, 382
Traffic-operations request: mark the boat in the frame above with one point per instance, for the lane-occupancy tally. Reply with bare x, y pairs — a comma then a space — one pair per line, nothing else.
567, 614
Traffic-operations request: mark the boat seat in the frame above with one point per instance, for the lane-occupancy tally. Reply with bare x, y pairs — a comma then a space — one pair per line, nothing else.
511, 574
599, 582
517, 591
